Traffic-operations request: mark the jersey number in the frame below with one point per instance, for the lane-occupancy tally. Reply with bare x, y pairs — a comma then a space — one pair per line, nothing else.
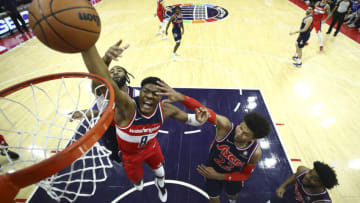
143, 141
223, 163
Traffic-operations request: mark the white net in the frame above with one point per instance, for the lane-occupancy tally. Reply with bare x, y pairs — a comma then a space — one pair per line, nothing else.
37, 122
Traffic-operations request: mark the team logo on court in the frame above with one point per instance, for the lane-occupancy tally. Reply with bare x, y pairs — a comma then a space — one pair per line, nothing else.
198, 12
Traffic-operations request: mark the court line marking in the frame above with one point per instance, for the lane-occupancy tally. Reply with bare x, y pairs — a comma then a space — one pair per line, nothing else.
237, 107
192, 132
319, 70
177, 182
194, 60
277, 132
163, 131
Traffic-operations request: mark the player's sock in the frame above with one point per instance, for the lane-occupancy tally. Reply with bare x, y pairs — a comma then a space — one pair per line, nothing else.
141, 186
162, 26
320, 40
173, 56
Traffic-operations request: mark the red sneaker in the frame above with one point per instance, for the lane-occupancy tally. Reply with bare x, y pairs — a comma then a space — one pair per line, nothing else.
321, 48
306, 43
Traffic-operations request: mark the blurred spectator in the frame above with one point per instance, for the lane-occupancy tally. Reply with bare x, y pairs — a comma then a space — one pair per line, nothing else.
356, 22
355, 12
10, 7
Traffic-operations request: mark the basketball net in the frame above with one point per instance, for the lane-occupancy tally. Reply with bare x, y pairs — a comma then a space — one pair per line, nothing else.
38, 124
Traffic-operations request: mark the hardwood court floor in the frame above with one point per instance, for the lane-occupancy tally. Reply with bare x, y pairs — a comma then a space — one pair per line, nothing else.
251, 48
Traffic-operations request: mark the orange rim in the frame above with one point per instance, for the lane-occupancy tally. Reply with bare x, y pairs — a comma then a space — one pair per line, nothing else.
11, 183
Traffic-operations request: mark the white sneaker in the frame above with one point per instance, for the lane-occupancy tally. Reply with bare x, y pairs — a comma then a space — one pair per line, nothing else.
173, 56
158, 32
162, 191
164, 37
141, 186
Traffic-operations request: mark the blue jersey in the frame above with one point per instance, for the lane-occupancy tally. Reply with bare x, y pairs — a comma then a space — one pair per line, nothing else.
297, 193
307, 32
225, 157
177, 22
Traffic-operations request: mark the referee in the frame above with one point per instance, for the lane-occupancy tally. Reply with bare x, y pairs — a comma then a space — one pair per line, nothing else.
342, 8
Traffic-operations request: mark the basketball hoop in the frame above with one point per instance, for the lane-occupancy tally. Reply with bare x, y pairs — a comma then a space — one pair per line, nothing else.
48, 146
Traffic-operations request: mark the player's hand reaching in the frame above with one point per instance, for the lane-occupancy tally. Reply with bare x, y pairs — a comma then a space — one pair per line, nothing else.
201, 114
166, 90
280, 192
210, 173
115, 51
75, 115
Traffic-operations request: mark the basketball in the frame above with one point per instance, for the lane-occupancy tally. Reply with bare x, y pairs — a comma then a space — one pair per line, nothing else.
67, 26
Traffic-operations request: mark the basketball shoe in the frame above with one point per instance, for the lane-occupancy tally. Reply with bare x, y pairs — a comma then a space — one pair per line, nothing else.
162, 190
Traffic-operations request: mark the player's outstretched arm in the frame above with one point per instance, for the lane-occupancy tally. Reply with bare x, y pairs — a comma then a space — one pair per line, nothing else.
96, 65
167, 26
291, 180
223, 125
114, 52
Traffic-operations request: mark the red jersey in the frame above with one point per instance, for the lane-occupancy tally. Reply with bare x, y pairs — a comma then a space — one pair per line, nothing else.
160, 8
319, 12
140, 134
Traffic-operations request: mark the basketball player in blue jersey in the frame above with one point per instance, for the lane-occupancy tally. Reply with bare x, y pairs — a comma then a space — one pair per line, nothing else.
307, 185
137, 123
304, 36
234, 152
177, 30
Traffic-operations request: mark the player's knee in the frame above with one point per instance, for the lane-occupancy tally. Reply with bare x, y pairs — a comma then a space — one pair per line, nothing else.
160, 172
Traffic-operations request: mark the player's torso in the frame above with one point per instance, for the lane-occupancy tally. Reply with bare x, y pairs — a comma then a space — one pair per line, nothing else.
305, 197
160, 7
225, 157
319, 11
140, 134
303, 23
177, 21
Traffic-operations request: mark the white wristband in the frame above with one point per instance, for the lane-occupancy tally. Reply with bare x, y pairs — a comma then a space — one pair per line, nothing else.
192, 120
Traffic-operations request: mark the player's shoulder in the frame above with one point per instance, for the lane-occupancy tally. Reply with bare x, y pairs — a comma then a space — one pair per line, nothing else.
301, 169
257, 154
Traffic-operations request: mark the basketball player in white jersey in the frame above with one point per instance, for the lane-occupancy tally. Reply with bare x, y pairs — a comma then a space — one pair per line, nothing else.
137, 123
318, 13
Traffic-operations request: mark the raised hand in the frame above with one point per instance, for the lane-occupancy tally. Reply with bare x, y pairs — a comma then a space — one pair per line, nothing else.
201, 114
209, 172
280, 192
75, 115
166, 90
115, 51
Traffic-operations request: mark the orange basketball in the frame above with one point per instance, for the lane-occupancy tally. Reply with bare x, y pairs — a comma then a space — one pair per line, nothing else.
65, 25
